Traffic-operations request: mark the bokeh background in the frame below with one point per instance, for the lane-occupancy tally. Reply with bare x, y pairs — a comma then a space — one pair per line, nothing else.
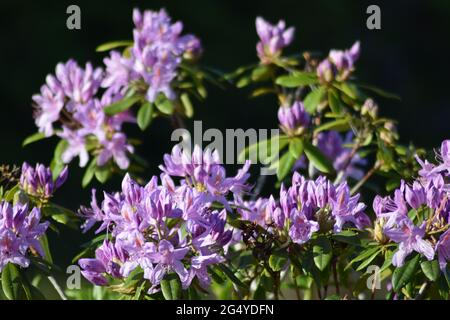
409, 56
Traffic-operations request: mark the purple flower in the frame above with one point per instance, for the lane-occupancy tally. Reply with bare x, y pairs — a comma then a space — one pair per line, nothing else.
410, 238
203, 171
415, 196
199, 268
118, 73
69, 98
293, 120
339, 64
39, 182
347, 209
49, 104
116, 148
108, 259
345, 60
146, 223
443, 249
157, 52
167, 259
326, 71
20, 230
273, 39
302, 228
76, 147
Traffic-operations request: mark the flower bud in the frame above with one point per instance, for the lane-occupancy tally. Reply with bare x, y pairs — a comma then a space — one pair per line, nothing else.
326, 71
370, 108
294, 119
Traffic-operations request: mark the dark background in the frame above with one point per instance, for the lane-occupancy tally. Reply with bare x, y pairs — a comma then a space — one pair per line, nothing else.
409, 56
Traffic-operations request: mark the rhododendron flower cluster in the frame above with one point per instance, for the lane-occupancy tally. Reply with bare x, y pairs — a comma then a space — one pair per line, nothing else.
39, 181
156, 55
70, 98
339, 64
163, 226
273, 38
20, 230
308, 206
425, 231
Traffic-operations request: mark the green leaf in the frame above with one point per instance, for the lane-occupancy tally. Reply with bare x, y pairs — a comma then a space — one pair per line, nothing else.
89, 173
59, 150
261, 73
277, 261
334, 102
363, 255
367, 262
261, 91
61, 215
317, 158
380, 92
33, 138
171, 287
403, 275
431, 269
103, 173
297, 79
313, 99
12, 284
285, 165
113, 44
9, 195
322, 252
121, 105
349, 89
144, 116
164, 105
188, 108
337, 125
296, 147
230, 274
243, 82
44, 244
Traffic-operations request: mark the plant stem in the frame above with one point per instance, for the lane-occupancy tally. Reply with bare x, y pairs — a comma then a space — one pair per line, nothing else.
365, 178
57, 287
336, 278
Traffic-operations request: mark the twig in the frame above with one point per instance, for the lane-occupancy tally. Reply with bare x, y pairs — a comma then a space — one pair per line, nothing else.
365, 178
336, 279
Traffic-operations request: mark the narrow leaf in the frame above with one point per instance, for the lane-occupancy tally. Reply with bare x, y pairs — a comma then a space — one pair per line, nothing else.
113, 44
317, 158
403, 275
121, 105
296, 80
313, 99
33, 138
144, 116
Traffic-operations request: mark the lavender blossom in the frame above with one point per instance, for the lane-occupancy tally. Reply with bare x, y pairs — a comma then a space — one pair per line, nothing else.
339, 64
137, 218
273, 39
410, 238
39, 181
443, 249
20, 231
293, 120
155, 57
